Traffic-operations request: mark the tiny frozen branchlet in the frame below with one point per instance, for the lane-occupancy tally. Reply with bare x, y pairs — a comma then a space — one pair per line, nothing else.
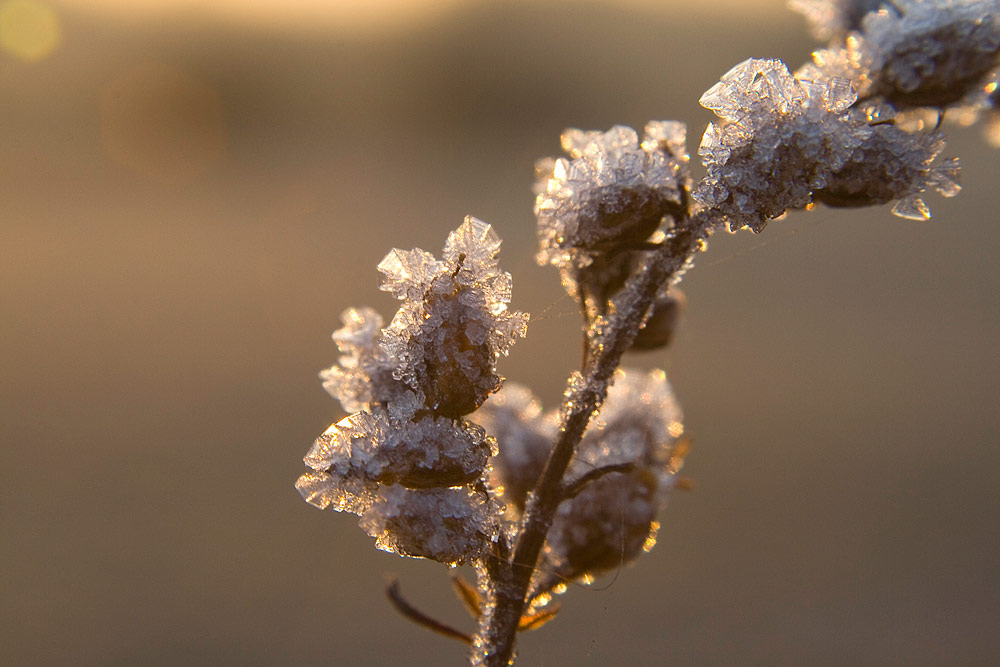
405, 460
437, 463
783, 141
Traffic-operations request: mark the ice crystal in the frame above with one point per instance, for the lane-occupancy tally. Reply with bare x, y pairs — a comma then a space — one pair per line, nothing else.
612, 192
363, 374
781, 139
454, 322
450, 525
917, 53
408, 385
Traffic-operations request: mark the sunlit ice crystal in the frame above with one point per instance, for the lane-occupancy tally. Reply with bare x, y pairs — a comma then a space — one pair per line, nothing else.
524, 436
784, 140
364, 372
454, 322
614, 189
451, 525
917, 53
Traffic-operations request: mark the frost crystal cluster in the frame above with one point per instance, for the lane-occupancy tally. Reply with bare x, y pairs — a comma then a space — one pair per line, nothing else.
915, 53
612, 519
614, 197
783, 142
614, 191
439, 461
406, 461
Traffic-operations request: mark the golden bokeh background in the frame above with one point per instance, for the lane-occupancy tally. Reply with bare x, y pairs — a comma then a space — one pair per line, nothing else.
191, 194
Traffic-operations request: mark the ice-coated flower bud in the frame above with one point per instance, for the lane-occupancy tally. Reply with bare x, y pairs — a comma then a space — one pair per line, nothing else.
454, 322
782, 138
612, 193
363, 374
664, 317
920, 53
608, 525
612, 520
524, 436
366, 449
450, 525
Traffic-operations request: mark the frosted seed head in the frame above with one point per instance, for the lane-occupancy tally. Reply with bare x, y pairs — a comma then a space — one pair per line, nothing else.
604, 527
363, 375
784, 141
664, 317
454, 324
932, 53
449, 525
434, 452
524, 436
612, 520
612, 194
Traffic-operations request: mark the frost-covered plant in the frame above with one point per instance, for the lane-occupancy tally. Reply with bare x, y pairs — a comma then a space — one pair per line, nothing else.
441, 462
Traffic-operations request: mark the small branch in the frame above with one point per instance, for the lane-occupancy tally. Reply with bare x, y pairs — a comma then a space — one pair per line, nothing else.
494, 645
419, 617
572, 489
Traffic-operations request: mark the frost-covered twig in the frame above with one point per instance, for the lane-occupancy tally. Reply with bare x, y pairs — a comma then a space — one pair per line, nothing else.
439, 462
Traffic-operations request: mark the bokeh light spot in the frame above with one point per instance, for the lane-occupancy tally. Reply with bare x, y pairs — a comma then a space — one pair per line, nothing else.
29, 30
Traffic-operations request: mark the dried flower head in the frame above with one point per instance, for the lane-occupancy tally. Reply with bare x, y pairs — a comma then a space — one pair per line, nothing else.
449, 525
454, 322
612, 193
782, 138
914, 53
524, 435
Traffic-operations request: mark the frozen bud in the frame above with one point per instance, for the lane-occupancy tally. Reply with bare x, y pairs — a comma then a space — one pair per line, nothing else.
919, 53
830, 19
454, 322
450, 525
366, 449
612, 520
607, 525
435, 451
363, 374
781, 138
664, 316
524, 436
612, 193
891, 165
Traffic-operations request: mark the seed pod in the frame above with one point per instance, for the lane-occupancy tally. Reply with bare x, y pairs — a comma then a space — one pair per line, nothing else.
659, 328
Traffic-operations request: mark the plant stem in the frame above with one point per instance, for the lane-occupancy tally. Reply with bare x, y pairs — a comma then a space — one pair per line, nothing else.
510, 580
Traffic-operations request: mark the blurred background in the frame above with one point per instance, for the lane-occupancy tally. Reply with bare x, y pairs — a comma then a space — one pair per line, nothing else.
191, 194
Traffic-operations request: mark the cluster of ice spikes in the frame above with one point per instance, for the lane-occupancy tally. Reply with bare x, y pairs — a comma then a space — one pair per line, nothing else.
612, 519
784, 141
612, 199
405, 460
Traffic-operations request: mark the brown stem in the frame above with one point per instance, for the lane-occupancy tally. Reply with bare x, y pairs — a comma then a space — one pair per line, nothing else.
419, 617
494, 643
